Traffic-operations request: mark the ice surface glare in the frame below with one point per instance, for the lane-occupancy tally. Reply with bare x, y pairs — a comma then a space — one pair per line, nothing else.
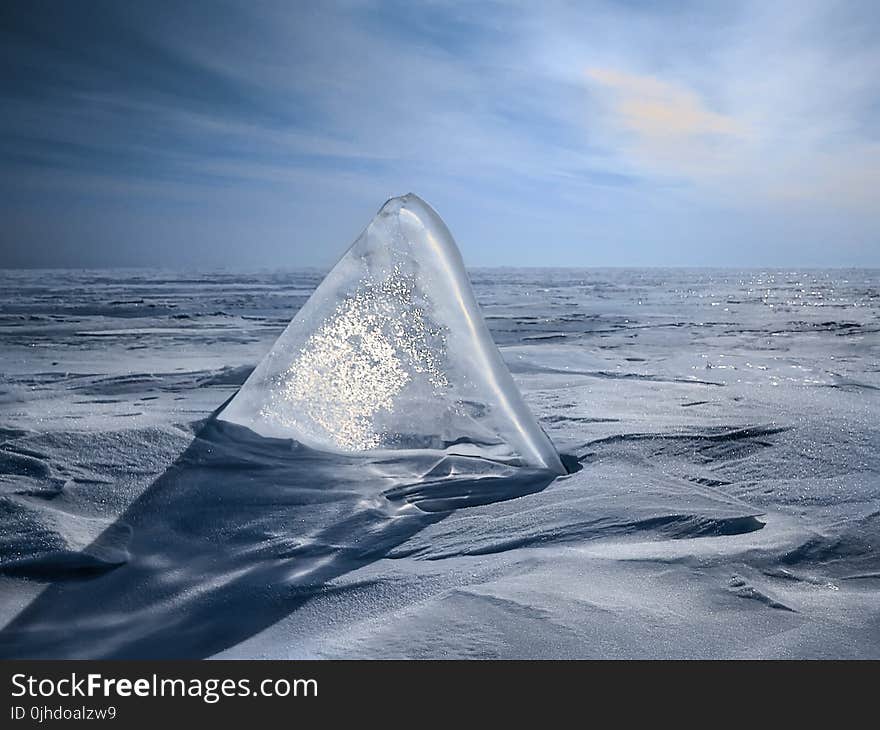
391, 352
356, 364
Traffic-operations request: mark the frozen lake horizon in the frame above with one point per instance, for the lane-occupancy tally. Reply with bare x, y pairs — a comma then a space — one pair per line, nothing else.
726, 423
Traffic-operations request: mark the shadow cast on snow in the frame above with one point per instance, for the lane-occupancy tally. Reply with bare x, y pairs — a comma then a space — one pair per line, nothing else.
238, 533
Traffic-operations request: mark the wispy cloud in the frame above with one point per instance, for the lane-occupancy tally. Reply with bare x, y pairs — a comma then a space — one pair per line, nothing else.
661, 110
597, 133
665, 126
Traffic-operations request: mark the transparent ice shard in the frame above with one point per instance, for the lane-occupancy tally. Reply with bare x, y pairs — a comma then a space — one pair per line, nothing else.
391, 353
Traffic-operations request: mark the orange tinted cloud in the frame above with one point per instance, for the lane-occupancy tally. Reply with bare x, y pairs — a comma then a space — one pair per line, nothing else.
667, 128
652, 107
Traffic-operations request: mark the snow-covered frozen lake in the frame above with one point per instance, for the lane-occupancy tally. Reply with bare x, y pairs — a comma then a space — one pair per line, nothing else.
727, 425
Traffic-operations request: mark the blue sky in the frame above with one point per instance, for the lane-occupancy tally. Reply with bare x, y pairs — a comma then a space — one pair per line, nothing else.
267, 134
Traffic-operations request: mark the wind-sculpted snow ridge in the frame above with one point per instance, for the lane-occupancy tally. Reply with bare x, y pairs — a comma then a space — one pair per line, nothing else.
727, 426
236, 533
391, 352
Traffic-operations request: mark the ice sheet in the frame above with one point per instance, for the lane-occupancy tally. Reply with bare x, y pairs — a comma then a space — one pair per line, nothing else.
728, 503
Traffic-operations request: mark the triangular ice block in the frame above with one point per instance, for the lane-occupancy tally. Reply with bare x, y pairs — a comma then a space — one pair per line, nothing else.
391, 352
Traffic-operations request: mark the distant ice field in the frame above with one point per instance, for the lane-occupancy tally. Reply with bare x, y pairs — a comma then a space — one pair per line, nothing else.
726, 425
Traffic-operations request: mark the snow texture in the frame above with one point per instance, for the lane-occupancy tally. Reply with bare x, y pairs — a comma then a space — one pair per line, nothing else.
720, 427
